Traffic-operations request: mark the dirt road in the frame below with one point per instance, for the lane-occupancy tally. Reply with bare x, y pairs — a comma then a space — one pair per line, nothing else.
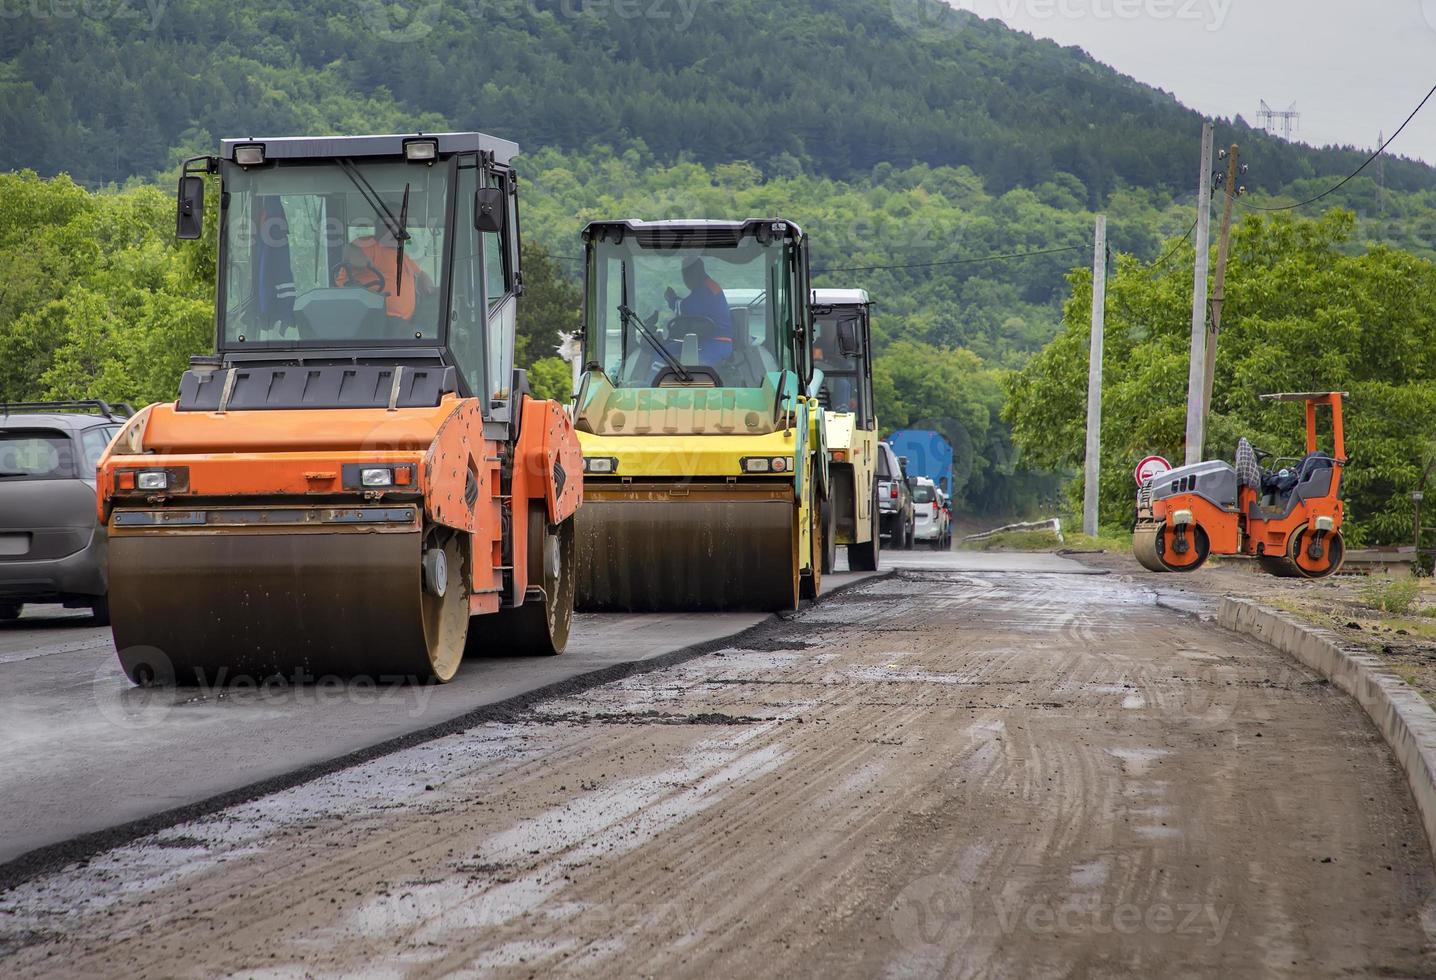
943, 772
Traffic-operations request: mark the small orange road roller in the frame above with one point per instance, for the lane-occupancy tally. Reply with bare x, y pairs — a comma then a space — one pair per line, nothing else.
358, 482
1286, 515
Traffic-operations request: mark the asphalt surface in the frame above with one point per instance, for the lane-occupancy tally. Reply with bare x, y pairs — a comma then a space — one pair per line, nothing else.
82, 750
977, 767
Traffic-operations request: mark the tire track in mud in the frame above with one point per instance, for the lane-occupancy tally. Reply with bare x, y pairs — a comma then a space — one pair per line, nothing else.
975, 775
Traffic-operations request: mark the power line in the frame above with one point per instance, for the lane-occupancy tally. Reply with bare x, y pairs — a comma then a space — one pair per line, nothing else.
984, 258
1175, 248
1350, 177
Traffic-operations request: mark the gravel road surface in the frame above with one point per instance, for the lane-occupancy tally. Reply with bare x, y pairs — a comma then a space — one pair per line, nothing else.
958, 770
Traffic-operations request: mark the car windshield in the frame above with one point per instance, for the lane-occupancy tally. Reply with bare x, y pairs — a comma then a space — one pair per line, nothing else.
339, 252
923, 494
842, 384
712, 315
36, 454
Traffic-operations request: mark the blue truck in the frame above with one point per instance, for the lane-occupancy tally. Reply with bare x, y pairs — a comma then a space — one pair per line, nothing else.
928, 454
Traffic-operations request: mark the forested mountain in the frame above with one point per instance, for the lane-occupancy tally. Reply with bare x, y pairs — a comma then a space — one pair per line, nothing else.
829, 87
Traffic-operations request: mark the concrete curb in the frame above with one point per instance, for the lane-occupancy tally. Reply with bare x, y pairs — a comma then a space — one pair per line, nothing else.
1402, 716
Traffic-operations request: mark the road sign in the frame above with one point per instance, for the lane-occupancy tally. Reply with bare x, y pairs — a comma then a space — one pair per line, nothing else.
1150, 467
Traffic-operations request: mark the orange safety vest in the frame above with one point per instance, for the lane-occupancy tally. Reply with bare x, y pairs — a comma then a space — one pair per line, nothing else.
381, 259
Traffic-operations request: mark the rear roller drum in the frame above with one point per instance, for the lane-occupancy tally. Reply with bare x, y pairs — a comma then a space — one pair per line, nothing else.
830, 536
540, 626
812, 582
1316, 554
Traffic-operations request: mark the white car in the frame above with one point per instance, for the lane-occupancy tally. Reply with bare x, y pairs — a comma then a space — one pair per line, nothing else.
931, 520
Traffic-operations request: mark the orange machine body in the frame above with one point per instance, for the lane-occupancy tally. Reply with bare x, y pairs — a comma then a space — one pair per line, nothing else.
439, 457
1279, 536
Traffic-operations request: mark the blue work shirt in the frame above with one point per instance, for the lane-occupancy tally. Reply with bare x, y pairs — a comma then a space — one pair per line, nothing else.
708, 301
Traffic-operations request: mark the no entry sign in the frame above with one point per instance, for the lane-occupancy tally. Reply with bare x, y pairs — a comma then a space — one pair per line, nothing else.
1150, 467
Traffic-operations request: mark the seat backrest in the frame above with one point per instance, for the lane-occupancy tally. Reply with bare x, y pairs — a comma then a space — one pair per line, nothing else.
1248, 471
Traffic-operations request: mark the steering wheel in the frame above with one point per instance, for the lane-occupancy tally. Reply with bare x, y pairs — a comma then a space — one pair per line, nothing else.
685, 323
1261, 454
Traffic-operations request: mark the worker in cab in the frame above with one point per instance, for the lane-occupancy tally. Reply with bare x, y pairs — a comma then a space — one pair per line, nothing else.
705, 299
372, 261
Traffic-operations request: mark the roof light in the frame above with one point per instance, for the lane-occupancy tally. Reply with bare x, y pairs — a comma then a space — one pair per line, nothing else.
249, 154
421, 151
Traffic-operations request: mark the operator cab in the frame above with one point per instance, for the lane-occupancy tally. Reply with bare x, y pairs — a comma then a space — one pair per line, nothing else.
675, 306
359, 271
842, 350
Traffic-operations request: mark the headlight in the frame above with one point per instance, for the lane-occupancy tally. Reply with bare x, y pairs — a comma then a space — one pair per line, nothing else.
765, 464
376, 476
249, 155
152, 480
421, 151
600, 464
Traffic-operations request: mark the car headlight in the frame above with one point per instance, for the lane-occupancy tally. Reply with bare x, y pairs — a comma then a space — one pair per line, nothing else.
376, 476
152, 480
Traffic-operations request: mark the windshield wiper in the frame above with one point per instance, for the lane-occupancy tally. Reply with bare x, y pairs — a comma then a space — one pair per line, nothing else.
630, 317
371, 196
14, 473
401, 238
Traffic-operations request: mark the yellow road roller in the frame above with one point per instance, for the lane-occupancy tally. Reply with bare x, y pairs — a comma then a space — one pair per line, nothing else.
704, 451
842, 352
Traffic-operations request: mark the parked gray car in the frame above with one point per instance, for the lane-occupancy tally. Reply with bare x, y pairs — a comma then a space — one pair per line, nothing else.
895, 506
51, 549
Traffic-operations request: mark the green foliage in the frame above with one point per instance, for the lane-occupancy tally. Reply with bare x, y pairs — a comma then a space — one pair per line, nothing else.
551, 377
1302, 315
548, 307
1389, 595
828, 87
99, 301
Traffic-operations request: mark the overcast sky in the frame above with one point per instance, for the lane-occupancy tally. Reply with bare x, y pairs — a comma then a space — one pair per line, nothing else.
1354, 68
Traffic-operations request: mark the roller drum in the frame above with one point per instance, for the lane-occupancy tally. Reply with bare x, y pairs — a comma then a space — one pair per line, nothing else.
656, 547
212, 608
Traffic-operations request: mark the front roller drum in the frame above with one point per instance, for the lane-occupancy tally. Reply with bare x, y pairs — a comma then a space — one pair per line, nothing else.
1160, 549
217, 607
687, 548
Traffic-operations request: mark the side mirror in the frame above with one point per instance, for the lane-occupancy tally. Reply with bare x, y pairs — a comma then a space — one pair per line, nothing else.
189, 216
489, 209
848, 338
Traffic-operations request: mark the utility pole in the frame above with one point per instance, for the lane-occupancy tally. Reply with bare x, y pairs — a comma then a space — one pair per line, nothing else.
1092, 482
1196, 384
1219, 281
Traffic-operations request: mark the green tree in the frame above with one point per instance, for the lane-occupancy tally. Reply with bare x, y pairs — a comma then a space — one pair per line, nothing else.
1302, 314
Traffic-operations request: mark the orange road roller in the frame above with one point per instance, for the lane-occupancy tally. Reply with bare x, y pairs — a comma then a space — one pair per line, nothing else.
1286, 515
358, 483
